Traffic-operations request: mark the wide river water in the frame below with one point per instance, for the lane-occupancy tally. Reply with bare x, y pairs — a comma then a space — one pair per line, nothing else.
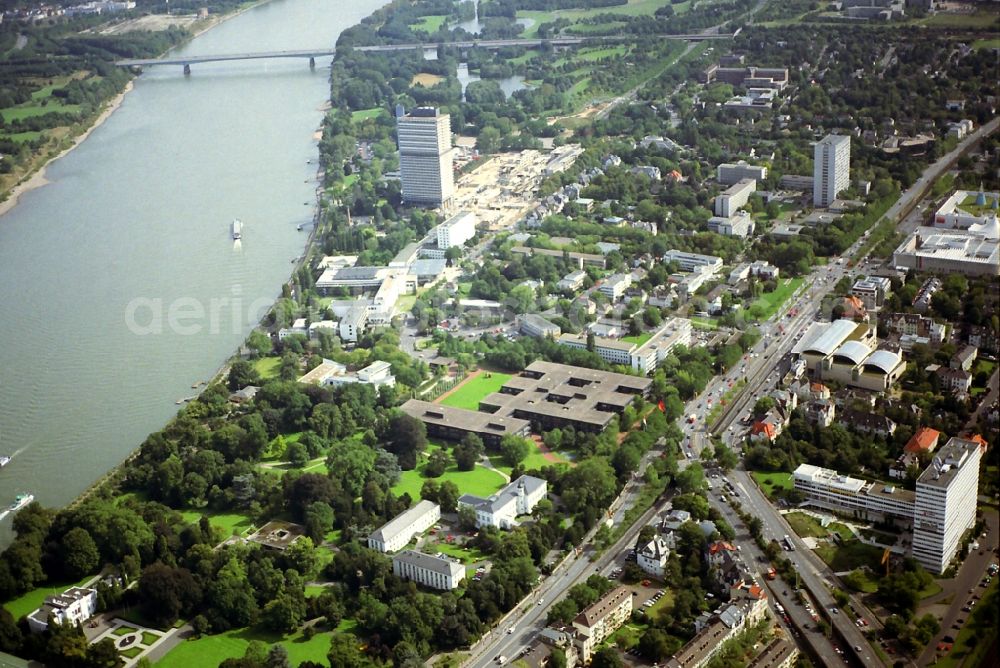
106, 269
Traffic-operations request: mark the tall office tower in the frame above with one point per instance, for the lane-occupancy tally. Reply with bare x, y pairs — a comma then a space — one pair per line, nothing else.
831, 168
946, 503
424, 137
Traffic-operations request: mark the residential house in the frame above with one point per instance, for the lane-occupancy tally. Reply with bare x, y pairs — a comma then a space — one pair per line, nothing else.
958, 381
652, 557
769, 427
74, 606
866, 423
964, 358
821, 412
925, 440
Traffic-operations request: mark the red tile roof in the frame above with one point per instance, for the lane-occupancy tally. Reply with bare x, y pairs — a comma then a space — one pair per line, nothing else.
925, 440
766, 429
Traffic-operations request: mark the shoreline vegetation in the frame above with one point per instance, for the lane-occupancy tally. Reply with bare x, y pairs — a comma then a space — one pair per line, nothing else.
34, 178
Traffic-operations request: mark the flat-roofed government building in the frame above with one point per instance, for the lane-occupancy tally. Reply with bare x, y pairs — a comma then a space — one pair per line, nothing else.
544, 396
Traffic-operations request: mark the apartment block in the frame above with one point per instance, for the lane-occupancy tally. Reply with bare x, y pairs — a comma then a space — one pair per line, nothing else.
456, 230
601, 619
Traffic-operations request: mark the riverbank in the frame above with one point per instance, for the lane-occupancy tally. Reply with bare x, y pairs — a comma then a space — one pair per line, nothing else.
36, 178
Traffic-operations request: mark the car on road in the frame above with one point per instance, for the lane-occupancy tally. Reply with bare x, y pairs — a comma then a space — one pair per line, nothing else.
510, 629
500, 659
540, 601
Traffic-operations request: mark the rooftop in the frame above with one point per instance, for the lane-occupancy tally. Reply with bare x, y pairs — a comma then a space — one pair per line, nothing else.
461, 418
401, 522
824, 338
948, 461
433, 562
593, 614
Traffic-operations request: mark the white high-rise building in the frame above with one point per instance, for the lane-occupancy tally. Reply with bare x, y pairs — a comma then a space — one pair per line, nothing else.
946, 503
831, 168
425, 157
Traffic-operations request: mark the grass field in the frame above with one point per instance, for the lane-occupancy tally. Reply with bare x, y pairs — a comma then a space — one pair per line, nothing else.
772, 481
31, 135
850, 555
470, 392
32, 110
978, 19
465, 555
535, 460
26, 603
986, 43
429, 24
772, 301
213, 650
633, 8
362, 114
267, 367
479, 481
704, 323
805, 525
228, 522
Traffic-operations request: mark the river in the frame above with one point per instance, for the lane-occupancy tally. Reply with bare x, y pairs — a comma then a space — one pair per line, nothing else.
122, 286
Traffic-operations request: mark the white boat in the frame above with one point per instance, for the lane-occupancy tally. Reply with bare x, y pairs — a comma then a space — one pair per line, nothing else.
20, 501
237, 229
4, 460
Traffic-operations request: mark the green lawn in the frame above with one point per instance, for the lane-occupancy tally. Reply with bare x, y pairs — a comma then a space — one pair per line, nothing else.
805, 525
124, 630
131, 652
850, 555
27, 603
465, 555
429, 24
267, 367
362, 114
479, 481
841, 529
987, 43
33, 110
213, 650
704, 323
228, 522
665, 604
978, 19
535, 460
633, 8
470, 392
30, 135
772, 481
638, 339
312, 591
148, 637
771, 302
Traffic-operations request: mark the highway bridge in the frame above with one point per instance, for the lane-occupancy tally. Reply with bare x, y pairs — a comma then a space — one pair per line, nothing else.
313, 54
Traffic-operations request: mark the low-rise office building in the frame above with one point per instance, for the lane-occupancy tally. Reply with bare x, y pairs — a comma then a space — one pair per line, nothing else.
572, 281
740, 224
614, 286
973, 253
501, 510
332, 374
453, 424
531, 324
395, 534
691, 261
872, 290
430, 570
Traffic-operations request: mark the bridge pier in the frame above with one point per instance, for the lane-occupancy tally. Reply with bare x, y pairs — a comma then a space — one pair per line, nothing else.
312, 63
187, 69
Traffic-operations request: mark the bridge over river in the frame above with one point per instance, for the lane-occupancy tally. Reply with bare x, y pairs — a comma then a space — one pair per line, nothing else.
313, 54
